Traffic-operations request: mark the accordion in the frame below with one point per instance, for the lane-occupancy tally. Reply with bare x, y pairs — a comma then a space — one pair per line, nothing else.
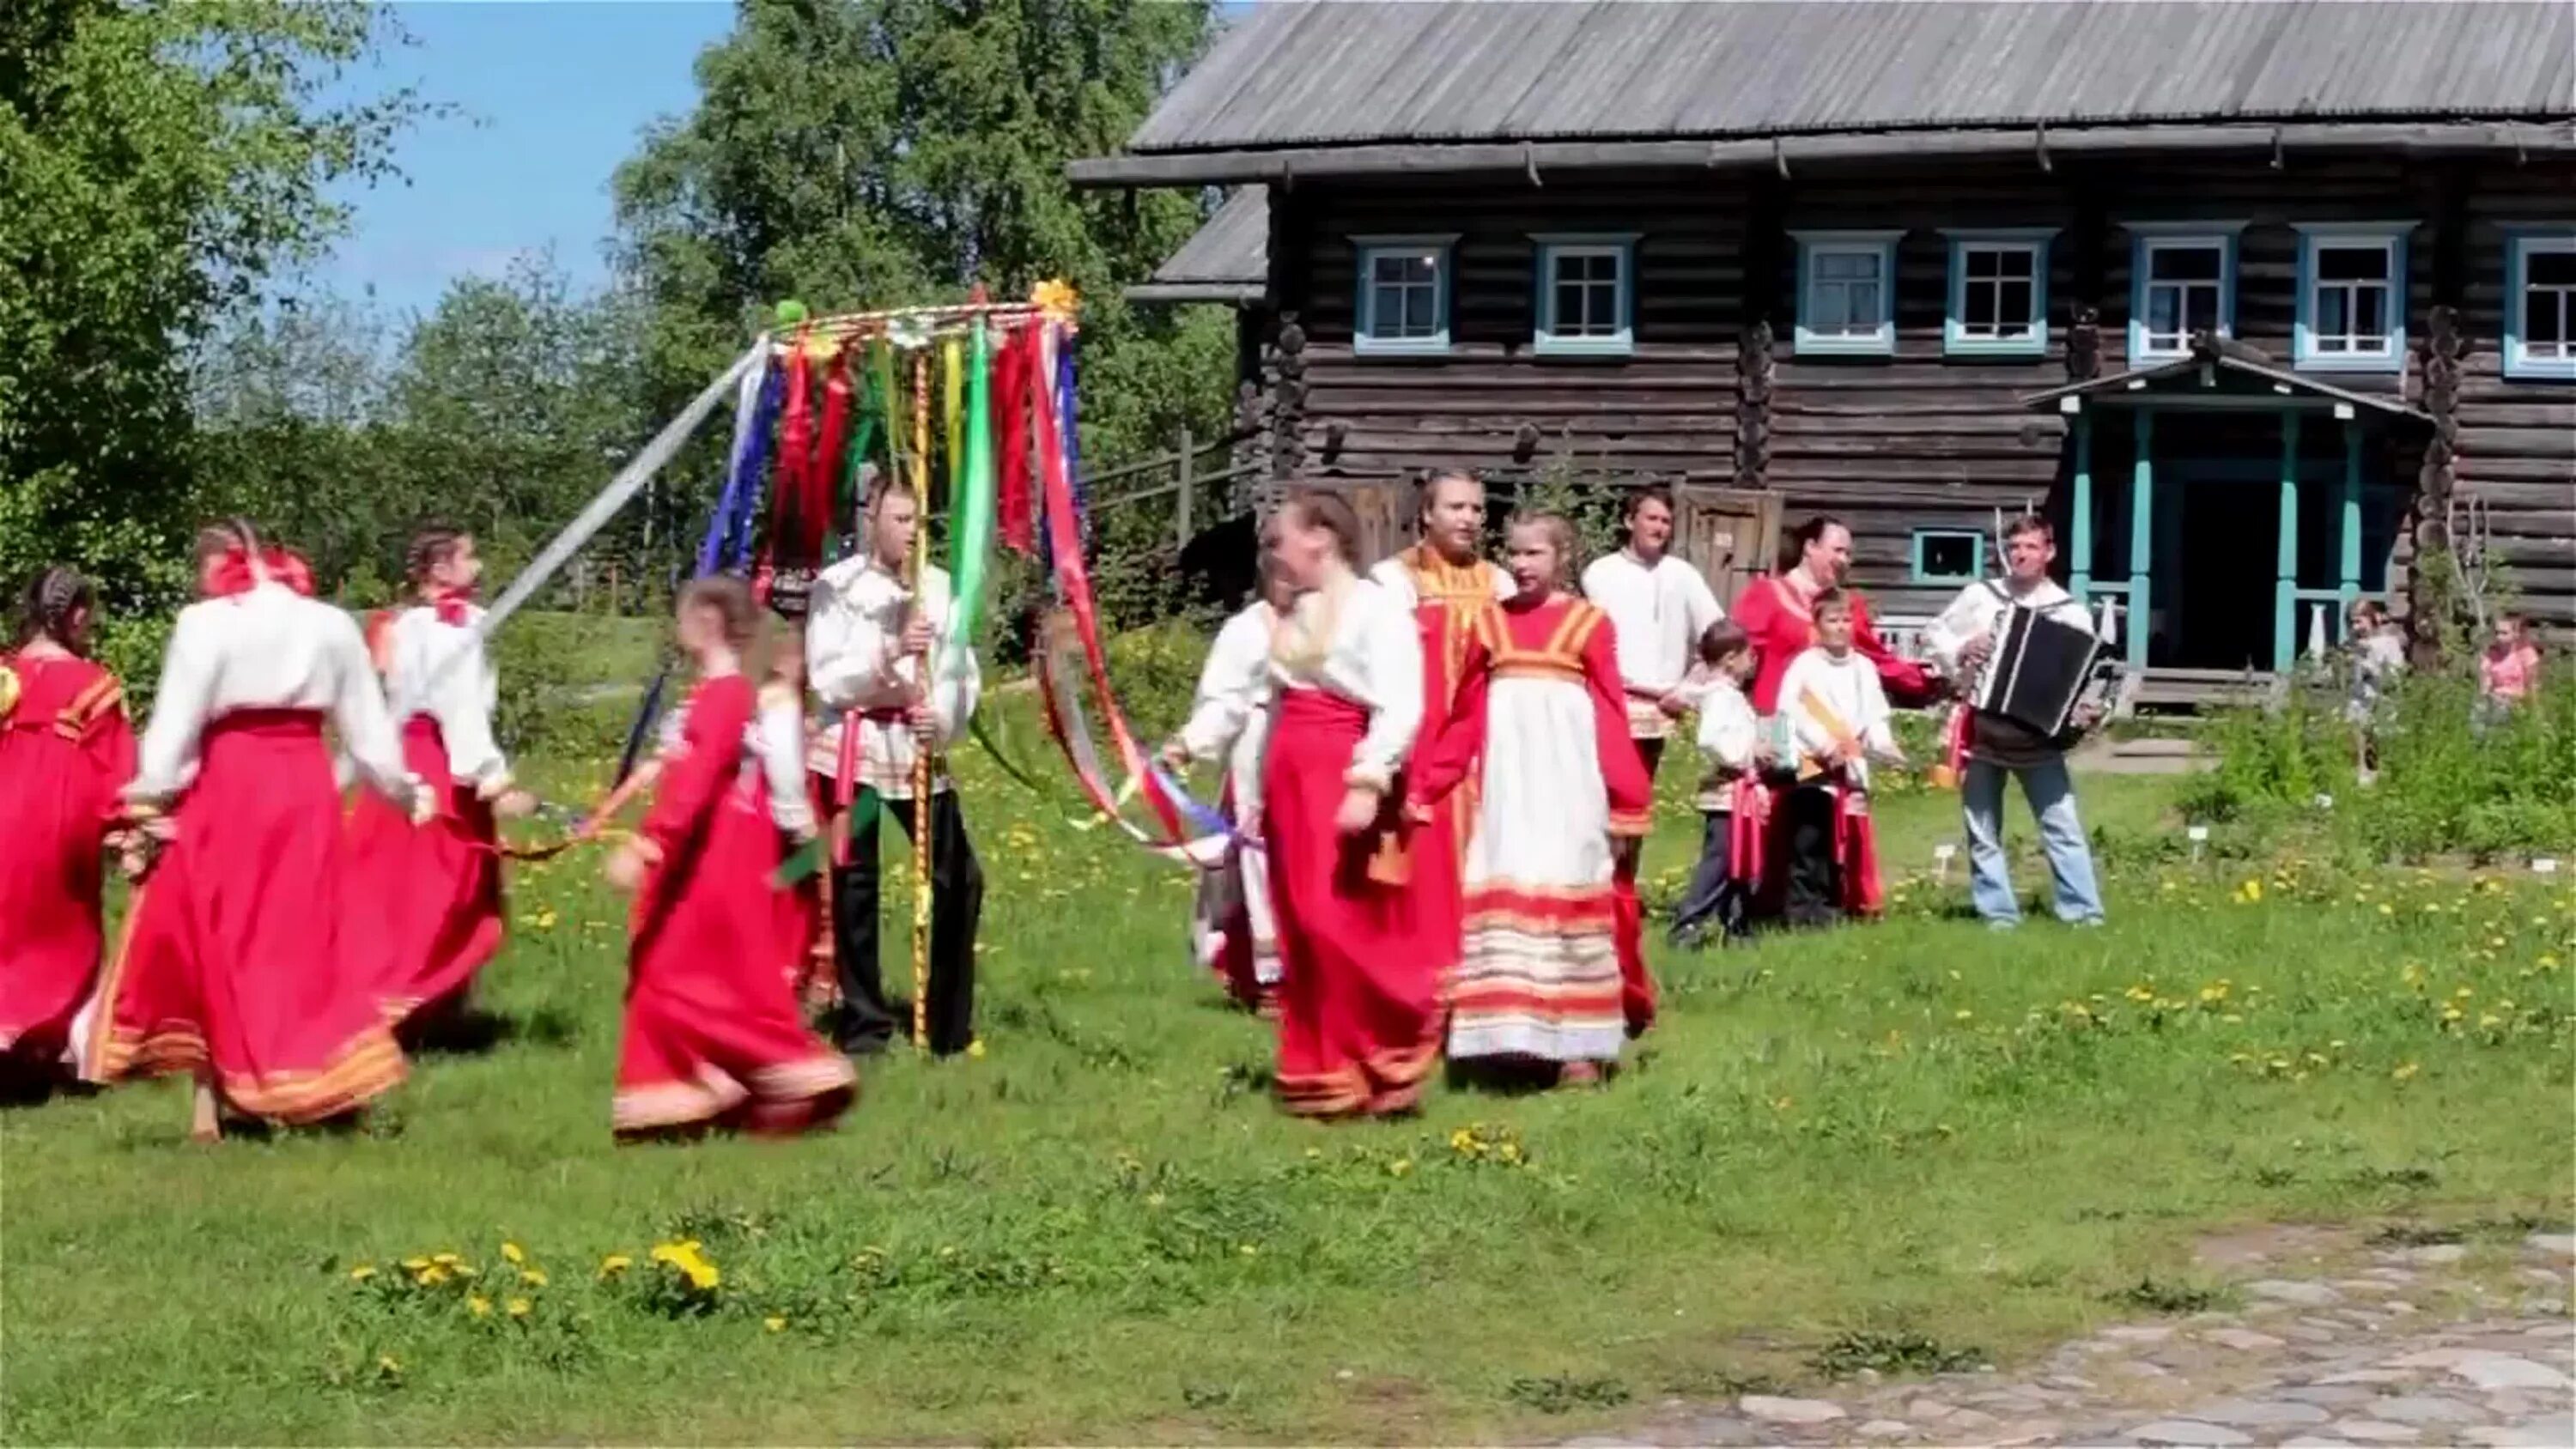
2039, 671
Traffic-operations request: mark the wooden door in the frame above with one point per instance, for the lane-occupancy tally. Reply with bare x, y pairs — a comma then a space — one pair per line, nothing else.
1380, 507
1730, 535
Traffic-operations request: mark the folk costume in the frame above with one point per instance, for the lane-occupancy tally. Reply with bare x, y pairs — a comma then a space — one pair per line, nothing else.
804, 917
1996, 747
855, 659
1777, 613
1828, 701
434, 890
713, 1034
1359, 1024
1539, 715
1735, 809
1445, 599
1659, 610
65, 751
248, 959
1232, 922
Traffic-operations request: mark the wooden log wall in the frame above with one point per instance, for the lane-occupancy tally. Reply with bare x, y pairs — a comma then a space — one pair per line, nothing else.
1715, 392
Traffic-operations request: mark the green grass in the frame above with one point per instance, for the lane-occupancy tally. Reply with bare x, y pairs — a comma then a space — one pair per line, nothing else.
1896, 1147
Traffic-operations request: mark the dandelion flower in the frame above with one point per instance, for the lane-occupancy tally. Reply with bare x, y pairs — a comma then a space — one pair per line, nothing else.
446, 1260
1963, 1014
478, 1305
432, 1276
533, 1277
774, 1323
518, 1307
975, 1049
362, 1272
514, 1253
2404, 1071
1400, 1166
387, 1363
614, 1264
414, 1265
1250, 1250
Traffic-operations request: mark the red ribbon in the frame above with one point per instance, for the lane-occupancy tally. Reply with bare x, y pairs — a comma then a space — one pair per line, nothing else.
1011, 371
795, 446
454, 606
229, 574
1747, 826
803, 542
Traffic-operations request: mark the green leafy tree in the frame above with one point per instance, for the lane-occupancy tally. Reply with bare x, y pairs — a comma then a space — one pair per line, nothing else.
159, 162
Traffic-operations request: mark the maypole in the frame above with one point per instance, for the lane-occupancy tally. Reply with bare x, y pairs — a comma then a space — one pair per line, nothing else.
921, 763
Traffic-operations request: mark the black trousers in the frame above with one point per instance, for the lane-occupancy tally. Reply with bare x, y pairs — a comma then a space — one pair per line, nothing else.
868, 1019
1815, 895
1652, 752
1712, 901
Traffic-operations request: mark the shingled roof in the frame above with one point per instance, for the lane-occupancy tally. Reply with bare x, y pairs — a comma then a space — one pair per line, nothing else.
1299, 76
1227, 260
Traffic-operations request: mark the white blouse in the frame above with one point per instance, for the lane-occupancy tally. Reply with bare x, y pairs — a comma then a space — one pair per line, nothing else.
1727, 732
1228, 718
855, 661
1848, 688
441, 670
774, 744
267, 648
1979, 610
1358, 640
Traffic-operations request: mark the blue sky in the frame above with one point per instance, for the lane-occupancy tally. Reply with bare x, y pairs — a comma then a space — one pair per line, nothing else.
555, 93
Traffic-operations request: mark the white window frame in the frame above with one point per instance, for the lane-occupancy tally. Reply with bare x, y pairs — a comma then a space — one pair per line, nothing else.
1956, 340
2148, 238
2389, 237
2521, 242
1442, 251
1620, 247
1812, 245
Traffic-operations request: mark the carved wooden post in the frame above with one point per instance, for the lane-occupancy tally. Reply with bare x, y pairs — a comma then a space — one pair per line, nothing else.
1765, 258
1287, 409
2084, 343
2434, 482
1251, 448
1753, 371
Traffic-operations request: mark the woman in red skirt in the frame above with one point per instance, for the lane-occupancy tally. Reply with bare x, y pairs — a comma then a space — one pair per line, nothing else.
435, 889
1358, 1028
712, 1032
65, 750
247, 962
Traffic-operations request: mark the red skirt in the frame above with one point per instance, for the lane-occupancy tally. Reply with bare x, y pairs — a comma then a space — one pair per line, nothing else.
713, 1033
1359, 1023
245, 958
55, 805
434, 890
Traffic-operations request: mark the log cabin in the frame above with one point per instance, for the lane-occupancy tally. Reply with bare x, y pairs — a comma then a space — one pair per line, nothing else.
2258, 302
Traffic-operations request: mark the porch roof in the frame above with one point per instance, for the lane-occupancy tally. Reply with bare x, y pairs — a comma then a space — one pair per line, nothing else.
2220, 373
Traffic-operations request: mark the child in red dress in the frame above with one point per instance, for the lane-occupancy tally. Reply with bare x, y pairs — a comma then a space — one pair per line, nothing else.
712, 1032
65, 750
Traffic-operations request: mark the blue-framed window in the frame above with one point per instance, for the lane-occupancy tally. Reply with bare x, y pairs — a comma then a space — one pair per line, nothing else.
1587, 295
2182, 280
2352, 297
1998, 294
2540, 303
1949, 555
1846, 293
1403, 302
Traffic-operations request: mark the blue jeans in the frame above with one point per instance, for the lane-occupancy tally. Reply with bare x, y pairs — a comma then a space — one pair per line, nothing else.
2052, 798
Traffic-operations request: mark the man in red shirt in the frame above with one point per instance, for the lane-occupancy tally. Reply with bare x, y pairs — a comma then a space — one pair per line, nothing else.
1777, 613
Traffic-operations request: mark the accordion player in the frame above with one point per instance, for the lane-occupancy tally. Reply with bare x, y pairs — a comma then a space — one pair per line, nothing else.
2040, 672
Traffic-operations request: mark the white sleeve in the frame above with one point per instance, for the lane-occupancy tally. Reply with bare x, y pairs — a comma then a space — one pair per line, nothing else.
1228, 684
1392, 649
847, 657
782, 764
1592, 576
1701, 605
167, 759
1504, 588
1961, 622
960, 683
1726, 731
358, 712
1804, 729
1389, 574
1876, 734
463, 695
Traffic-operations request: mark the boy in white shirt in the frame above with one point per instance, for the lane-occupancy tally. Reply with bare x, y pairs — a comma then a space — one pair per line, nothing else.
1720, 889
1835, 718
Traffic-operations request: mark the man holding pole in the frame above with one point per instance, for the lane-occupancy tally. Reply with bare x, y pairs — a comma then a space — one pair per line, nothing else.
869, 643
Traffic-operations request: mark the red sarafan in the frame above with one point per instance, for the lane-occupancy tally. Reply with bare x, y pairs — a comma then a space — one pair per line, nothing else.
713, 1032
65, 750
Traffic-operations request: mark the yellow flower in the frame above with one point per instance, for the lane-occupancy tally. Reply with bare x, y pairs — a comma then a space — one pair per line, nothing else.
387, 1363
1963, 1014
2404, 1071
517, 1307
975, 1049
703, 1276
432, 1276
514, 1253
362, 1272
1400, 1166
533, 1277
774, 1323
445, 1260
614, 1264
1249, 1250
478, 1305
414, 1265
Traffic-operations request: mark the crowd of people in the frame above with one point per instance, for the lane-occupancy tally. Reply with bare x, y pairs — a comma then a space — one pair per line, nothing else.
1438, 772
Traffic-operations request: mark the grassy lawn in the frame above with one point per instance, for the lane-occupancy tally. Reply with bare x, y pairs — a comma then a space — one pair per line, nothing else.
1102, 1230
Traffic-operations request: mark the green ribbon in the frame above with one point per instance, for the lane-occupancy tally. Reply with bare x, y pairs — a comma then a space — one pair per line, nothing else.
970, 534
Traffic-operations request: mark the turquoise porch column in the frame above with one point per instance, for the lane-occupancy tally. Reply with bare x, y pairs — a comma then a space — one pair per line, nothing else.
2285, 605
2142, 513
2080, 511
2348, 571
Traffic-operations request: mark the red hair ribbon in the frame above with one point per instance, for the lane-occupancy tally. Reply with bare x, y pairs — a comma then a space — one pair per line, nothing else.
232, 573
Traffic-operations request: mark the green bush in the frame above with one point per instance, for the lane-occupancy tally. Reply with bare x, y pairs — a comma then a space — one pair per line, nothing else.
570, 683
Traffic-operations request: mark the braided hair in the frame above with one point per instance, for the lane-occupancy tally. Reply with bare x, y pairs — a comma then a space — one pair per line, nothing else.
51, 605
430, 546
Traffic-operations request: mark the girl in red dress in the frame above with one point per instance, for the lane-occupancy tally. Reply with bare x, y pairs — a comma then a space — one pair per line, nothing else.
435, 889
1359, 1024
248, 961
712, 1032
65, 750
